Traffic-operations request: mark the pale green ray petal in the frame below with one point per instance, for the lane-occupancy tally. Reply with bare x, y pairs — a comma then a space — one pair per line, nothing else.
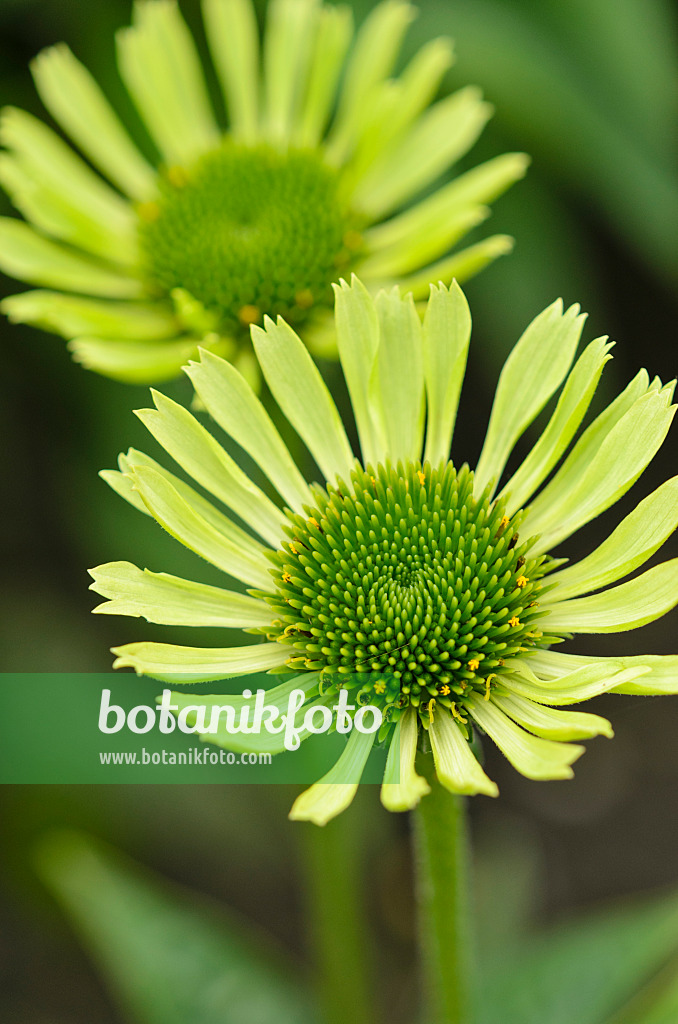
477, 187
446, 336
456, 766
590, 679
371, 61
657, 673
532, 756
444, 133
333, 793
288, 42
550, 723
410, 255
185, 523
636, 538
574, 400
28, 256
71, 315
397, 383
203, 458
335, 28
232, 403
233, 37
531, 374
628, 606
134, 362
303, 396
357, 332
402, 788
595, 476
161, 69
197, 664
75, 100
459, 266
121, 483
159, 597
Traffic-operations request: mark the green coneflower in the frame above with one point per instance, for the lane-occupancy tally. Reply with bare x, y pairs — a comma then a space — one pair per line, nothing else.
422, 587
309, 181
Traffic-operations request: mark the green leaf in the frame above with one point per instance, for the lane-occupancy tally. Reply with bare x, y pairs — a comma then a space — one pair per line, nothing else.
166, 958
585, 970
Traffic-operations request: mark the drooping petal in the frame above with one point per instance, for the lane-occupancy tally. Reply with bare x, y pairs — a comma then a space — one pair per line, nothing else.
635, 540
574, 400
233, 36
75, 100
549, 722
169, 600
288, 43
198, 664
532, 756
531, 374
232, 403
402, 788
134, 362
600, 469
335, 791
303, 396
200, 455
446, 336
591, 678
28, 256
456, 766
73, 315
161, 69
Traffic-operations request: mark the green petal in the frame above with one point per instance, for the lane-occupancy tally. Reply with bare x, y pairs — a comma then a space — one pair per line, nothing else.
627, 606
357, 333
600, 469
402, 788
635, 540
335, 28
446, 336
409, 256
197, 664
28, 256
71, 315
456, 766
161, 69
233, 36
592, 678
288, 41
333, 794
531, 374
659, 671
373, 56
550, 723
443, 134
459, 266
205, 460
232, 403
532, 756
397, 383
75, 100
159, 597
303, 396
574, 400
134, 362
186, 524
477, 187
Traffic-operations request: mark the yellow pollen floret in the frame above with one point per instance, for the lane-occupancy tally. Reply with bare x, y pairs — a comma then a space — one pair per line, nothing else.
456, 713
379, 687
473, 664
304, 299
522, 581
286, 577
504, 522
149, 211
249, 315
515, 621
443, 690
422, 477
314, 522
489, 679
177, 176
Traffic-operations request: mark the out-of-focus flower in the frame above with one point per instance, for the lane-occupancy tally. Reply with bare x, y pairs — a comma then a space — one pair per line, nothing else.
323, 154
422, 588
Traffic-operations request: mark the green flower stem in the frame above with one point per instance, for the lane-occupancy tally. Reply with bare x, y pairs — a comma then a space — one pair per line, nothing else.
337, 920
442, 867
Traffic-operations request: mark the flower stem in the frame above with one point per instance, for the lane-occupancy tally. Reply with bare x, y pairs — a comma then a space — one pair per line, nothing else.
443, 895
339, 930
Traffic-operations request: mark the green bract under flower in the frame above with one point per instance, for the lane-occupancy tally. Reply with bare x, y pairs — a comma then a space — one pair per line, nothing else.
320, 171
422, 588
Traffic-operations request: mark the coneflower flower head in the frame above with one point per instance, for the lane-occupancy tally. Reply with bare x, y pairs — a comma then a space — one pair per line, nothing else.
424, 589
324, 154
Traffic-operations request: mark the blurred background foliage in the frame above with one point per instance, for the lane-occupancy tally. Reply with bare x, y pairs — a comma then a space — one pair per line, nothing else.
590, 89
